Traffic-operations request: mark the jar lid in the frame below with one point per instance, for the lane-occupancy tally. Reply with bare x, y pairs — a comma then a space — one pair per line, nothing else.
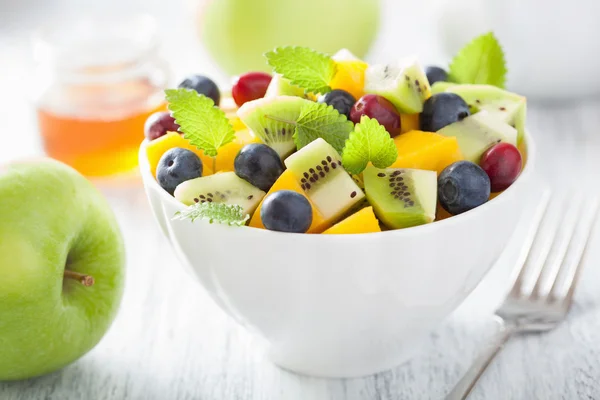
96, 42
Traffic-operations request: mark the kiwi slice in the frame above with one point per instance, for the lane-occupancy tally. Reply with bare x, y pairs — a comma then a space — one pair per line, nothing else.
280, 86
440, 87
506, 106
273, 132
224, 187
318, 168
402, 197
404, 84
478, 132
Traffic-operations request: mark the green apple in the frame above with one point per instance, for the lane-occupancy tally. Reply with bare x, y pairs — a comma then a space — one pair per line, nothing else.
238, 32
62, 265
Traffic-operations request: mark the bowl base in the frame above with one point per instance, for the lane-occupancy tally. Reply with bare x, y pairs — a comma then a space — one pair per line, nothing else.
302, 364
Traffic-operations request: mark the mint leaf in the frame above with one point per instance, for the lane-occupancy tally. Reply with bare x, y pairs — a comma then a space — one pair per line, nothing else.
480, 61
221, 213
369, 142
203, 124
319, 120
304, 67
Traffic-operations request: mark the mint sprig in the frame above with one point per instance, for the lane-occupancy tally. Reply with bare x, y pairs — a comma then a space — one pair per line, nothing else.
304, 67
319, 120
370, 142
481, 61
221, 213
203, 124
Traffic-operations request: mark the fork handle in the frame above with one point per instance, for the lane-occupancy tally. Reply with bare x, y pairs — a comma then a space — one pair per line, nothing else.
466, 384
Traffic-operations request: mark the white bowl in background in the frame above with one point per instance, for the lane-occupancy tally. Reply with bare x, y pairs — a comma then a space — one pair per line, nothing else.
550, 46
342, 305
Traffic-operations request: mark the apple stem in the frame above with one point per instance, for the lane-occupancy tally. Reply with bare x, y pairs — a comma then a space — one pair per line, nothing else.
85, 280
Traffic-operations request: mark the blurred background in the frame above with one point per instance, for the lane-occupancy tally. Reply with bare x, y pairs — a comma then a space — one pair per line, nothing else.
221, 38
217, 38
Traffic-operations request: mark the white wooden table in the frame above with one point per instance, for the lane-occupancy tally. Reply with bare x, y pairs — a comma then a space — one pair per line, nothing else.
171, 342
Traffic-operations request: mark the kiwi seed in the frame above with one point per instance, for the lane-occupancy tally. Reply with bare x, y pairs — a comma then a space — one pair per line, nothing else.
399, 188
319, 171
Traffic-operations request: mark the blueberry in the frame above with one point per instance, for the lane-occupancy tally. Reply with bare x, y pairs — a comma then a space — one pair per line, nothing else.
202, 85
463, 186
436, 74
443, 109
341, 100
177, 165
286, 211
258, 164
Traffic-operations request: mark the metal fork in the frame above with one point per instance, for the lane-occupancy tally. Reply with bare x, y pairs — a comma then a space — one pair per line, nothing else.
543, 290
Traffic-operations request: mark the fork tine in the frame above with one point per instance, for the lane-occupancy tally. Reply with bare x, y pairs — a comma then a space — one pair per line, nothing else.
533, 233
579, 257
554, 256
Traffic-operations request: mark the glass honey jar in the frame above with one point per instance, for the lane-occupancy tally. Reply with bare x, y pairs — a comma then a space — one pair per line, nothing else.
97, 82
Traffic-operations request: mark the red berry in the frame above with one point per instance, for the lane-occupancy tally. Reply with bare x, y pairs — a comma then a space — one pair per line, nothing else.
158, 124
250, 86
502, 163
379, 108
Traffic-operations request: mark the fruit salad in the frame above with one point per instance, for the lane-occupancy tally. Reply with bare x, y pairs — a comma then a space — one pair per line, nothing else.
334, 145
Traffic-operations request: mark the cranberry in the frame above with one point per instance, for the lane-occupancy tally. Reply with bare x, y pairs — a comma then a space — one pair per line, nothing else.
250, 86
502, 162
379, 108
158, 124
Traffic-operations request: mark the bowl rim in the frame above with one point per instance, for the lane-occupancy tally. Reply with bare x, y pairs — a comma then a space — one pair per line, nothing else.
148, 179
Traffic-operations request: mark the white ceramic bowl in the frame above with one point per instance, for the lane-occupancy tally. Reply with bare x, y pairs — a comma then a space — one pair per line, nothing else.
342, 305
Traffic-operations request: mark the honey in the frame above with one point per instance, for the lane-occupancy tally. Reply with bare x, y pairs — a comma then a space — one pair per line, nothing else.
94, 145
99, 81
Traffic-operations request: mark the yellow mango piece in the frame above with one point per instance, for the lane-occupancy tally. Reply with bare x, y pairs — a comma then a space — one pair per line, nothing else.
522, 147
426, 150
363, 221
227, 153
158, 147
493, 195
237, 123
350, 76
441, 214
409, 122
230, 109
287, 181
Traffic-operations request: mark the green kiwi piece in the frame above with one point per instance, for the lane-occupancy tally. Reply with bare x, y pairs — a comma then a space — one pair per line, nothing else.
318, 168
404, 84
478, 132
440, 87
274, 132
280, 86
402, 197
223, 187
358, 179
508, 107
